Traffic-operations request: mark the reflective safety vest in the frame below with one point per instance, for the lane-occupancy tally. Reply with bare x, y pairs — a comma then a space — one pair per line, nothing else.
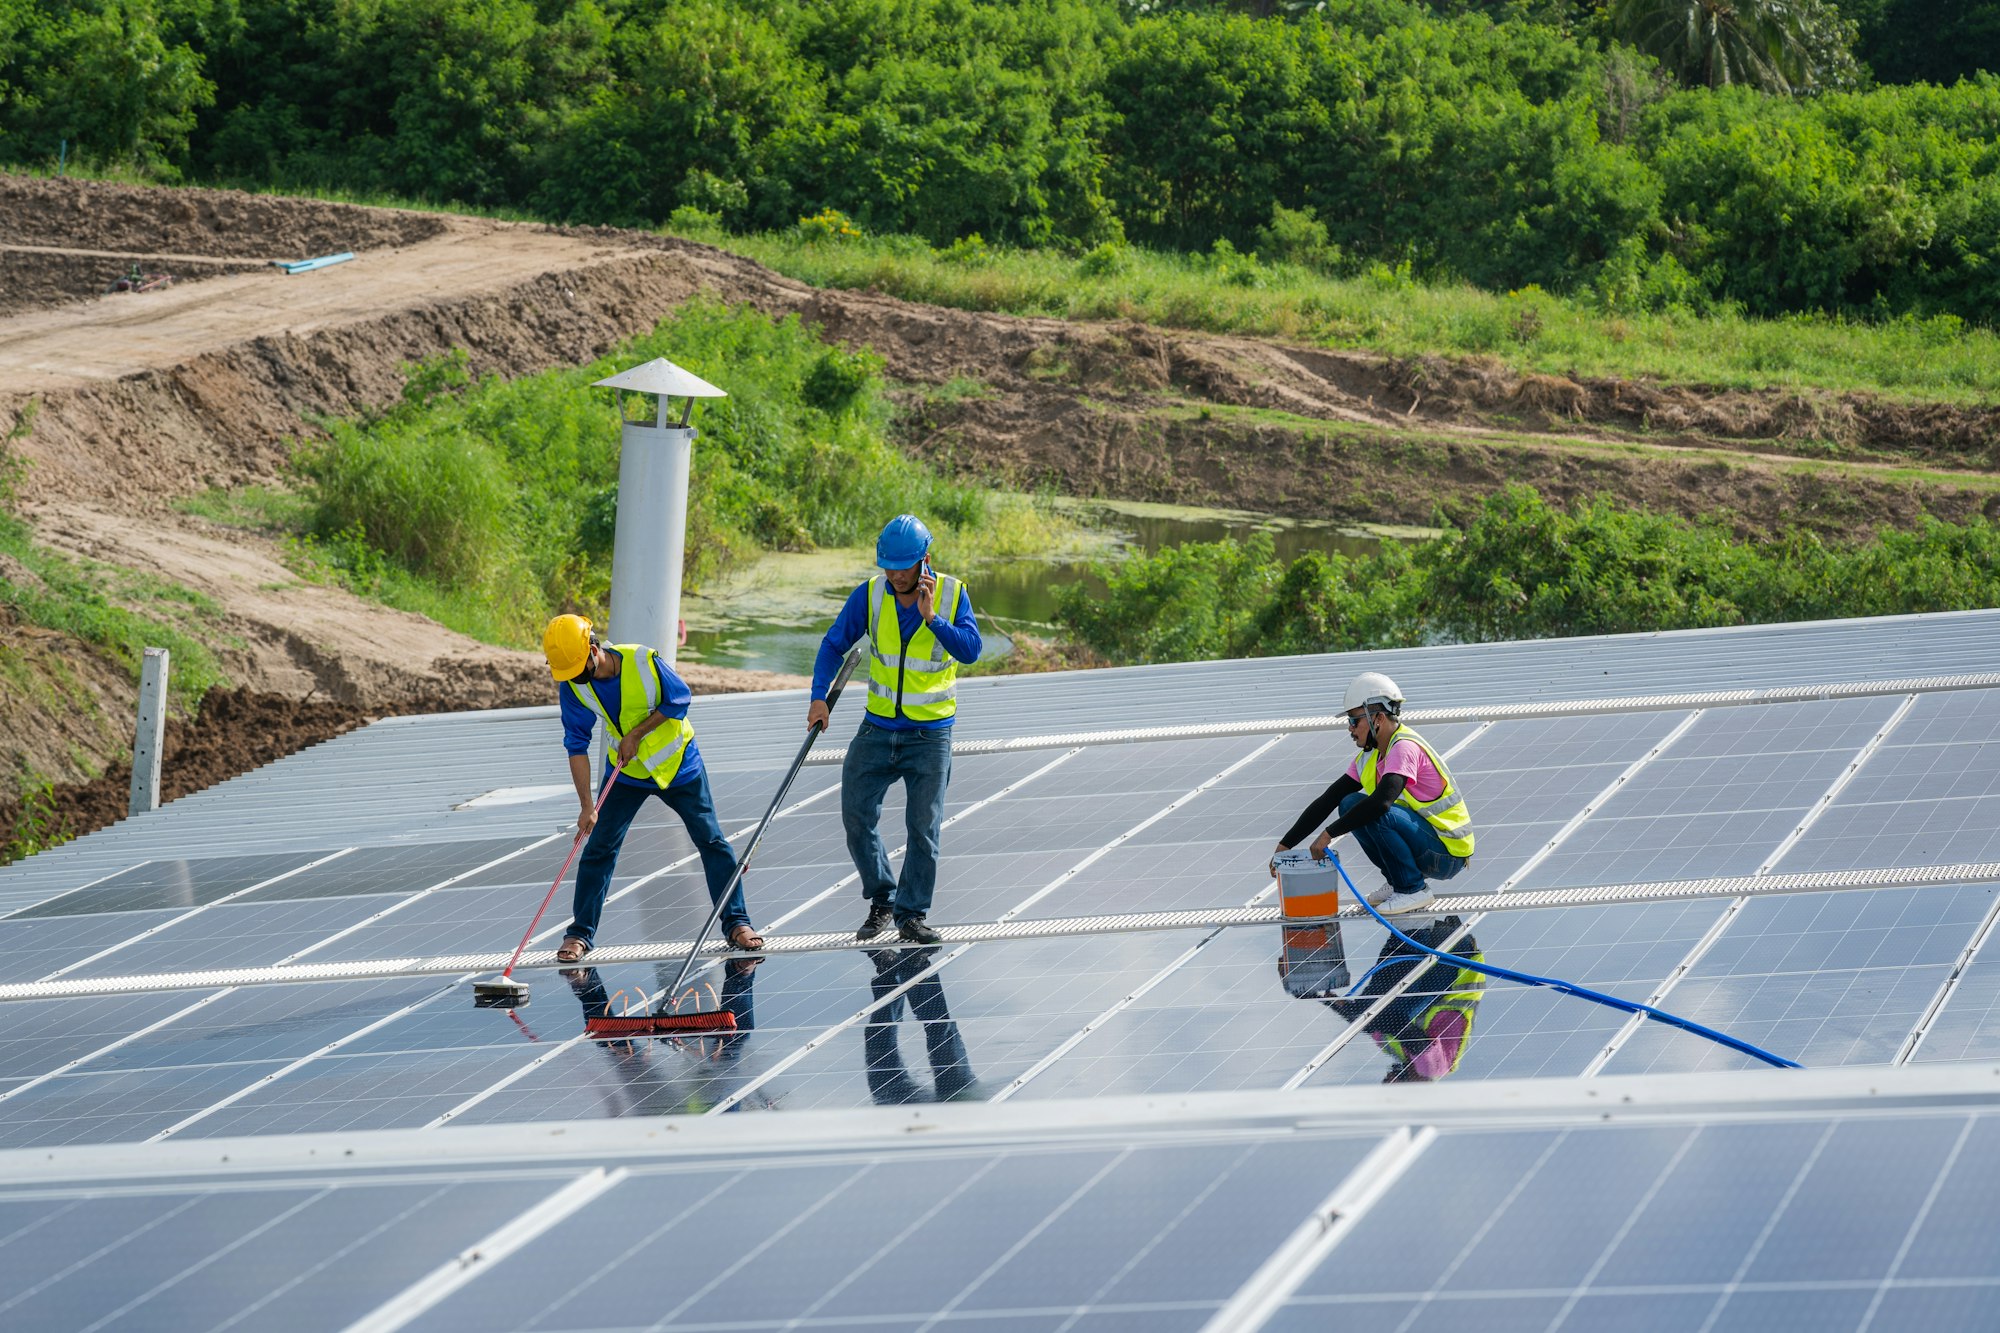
1467, 987
918, 679
1447, 814
660, 752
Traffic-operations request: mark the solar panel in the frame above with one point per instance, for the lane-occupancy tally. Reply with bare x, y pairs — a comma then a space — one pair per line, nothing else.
1047, 1222
1796, 1224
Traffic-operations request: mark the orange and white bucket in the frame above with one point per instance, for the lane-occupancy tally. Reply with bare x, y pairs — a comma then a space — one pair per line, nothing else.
1310, 889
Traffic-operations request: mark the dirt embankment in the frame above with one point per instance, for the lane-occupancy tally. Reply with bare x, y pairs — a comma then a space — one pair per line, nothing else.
215, 388
233, 732
69, 240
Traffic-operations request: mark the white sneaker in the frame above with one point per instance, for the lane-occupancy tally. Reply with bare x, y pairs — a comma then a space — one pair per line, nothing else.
1407, 902
1378, 895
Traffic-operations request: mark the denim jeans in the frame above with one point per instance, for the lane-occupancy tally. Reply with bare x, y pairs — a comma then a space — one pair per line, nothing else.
922, 761
1404, 847
691, 801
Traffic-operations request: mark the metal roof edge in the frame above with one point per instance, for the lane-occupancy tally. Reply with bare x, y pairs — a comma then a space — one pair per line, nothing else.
1946, 1088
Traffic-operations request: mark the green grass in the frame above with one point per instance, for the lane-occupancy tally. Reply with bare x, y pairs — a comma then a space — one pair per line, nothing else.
1385, 311
266, 509
118, 612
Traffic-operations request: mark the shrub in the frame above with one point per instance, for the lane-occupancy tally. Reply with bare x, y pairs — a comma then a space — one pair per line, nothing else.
500, 501
827, 225
1522, 569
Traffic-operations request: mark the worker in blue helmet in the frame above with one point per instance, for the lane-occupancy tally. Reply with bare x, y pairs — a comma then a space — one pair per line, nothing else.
920, 627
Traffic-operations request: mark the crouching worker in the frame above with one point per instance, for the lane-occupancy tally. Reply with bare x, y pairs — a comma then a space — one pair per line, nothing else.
1396, 798
644, 705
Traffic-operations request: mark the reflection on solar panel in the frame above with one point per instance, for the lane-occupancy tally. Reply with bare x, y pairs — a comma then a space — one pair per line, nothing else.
1111, 1099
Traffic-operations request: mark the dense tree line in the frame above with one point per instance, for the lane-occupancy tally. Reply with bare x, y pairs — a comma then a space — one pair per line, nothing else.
1506, 143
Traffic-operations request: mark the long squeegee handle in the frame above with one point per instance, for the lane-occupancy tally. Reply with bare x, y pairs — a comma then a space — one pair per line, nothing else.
750, 848
550, 896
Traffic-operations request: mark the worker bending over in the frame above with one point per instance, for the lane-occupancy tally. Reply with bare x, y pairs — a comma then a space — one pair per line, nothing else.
1397, 799
920, 627
644, 705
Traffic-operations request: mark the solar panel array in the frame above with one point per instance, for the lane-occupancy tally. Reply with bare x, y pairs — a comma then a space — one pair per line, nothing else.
1098, 1146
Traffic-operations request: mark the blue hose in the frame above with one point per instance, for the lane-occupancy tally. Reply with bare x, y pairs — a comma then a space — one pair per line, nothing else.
1565, 987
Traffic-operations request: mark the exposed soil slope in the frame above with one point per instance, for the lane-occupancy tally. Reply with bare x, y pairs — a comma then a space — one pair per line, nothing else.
143, 398
215, 376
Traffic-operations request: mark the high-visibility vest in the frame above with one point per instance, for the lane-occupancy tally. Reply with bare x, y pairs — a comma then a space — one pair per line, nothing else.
1467, 986
660, 751
1448, 814
918, 679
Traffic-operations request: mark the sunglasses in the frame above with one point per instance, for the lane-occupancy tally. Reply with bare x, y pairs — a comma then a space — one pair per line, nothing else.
1356, 719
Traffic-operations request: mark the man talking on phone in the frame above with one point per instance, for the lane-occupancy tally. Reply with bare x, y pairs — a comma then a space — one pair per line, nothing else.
920, 627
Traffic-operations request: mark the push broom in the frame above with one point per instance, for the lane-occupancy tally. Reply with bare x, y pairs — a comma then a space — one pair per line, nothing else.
718, 1020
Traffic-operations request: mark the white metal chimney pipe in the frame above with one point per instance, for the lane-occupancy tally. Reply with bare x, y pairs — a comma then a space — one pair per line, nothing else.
649, 548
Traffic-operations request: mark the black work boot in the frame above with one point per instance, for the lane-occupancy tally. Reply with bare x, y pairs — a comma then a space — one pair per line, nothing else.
879, 919
917, 931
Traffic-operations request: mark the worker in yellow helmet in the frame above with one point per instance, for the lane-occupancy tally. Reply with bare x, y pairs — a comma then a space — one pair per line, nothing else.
643, 704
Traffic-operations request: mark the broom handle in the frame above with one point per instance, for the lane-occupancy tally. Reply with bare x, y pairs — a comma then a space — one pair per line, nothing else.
550, 897
750, 849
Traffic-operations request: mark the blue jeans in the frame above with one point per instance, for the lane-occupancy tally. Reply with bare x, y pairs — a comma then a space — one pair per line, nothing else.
922, 761
1404, 847
691, 801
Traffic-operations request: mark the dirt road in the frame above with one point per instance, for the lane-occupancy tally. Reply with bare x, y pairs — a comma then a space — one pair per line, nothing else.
114, 338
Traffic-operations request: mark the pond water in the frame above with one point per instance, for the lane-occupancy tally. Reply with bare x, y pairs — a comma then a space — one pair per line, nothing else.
771, 617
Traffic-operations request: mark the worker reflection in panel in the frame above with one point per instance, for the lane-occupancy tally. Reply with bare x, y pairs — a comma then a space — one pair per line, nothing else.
889, 1079
1425, 1029
680, 1075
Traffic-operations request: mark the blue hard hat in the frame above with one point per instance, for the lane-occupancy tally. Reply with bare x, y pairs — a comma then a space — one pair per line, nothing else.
903, 542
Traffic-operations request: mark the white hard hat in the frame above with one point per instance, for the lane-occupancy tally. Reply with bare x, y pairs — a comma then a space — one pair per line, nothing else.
1372, 687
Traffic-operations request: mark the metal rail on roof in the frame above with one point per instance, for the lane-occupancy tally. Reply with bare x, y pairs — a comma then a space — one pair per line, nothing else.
1608, 895
645, 1143
1638, 703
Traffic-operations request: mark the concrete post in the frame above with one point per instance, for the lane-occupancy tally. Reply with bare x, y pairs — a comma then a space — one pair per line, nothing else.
151, 735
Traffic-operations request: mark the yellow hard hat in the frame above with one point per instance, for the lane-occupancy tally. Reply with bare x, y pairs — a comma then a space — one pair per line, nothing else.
566, 643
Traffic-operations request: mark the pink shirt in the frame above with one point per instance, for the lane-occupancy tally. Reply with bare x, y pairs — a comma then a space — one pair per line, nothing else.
1408, 758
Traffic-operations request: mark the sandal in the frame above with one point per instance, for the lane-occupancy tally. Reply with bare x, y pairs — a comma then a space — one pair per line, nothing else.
573, 950
746, 938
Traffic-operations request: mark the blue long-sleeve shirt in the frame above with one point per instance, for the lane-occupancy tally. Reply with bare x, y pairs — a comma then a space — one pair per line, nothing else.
959, 636
579, 720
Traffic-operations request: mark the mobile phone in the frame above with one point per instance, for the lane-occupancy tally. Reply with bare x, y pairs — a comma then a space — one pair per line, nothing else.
927, 569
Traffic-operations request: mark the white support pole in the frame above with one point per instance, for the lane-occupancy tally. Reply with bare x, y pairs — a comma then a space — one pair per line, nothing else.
151, 735
654, 460
648, 551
